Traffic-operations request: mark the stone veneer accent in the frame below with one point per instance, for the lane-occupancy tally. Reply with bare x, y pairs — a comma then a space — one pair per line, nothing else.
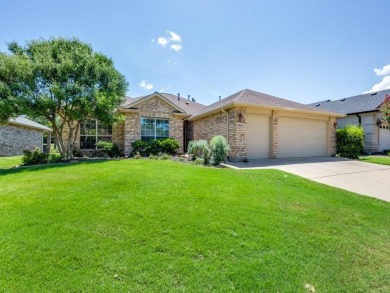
275, 134
332, 136
118, 135
14, 139
229, 123
156, 108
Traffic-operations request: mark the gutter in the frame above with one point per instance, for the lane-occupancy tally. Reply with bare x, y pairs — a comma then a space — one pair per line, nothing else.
44, 129
322, 113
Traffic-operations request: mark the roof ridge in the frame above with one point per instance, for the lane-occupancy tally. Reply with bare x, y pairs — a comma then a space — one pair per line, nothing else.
241, 93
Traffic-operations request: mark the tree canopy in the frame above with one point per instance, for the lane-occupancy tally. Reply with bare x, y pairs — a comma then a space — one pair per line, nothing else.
385, 109
63, 81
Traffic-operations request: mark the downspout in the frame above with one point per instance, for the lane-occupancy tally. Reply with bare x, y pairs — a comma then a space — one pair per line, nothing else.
360, 119
227, 123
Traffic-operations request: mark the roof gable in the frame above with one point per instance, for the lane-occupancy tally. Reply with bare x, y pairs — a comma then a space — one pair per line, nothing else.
177, 103
137, 102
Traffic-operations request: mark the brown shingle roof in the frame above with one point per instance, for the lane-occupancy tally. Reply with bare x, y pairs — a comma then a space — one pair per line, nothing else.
249, 97
188, 106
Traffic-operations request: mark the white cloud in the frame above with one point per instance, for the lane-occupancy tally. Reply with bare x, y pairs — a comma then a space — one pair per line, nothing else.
170, 38
162, 41
383, 85
146, 85
174, 37
176, 47
384, 71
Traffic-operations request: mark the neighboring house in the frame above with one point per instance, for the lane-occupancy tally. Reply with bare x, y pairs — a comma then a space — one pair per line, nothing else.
363, 110
21, 134
256, 125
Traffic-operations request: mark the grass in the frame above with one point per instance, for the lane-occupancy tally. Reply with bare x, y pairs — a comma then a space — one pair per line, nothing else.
9, 162
382, 160
159, 226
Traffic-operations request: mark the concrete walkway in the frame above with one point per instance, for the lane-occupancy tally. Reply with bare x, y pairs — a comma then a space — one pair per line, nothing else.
359, 177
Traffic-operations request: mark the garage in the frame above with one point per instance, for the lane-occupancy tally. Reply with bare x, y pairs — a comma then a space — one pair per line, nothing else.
299, 137
258, 136
384, 138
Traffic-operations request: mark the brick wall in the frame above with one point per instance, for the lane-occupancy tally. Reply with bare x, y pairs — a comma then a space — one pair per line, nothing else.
231, 125
155, 108
14, 139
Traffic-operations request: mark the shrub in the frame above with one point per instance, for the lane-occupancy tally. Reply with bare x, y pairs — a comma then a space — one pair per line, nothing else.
35, 157
199, 149
169, 146
54, 158
156, 146
139, 146
109, 149
219, 149
350, 141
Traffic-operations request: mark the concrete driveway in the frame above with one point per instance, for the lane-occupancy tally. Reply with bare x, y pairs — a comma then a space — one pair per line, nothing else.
359, 177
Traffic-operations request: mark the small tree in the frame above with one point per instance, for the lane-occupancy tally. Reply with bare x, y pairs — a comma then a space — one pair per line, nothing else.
63, 81
219, 149
385, 109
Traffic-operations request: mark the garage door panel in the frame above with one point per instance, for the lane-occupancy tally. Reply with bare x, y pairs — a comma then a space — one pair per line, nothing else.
301, 137
258, 136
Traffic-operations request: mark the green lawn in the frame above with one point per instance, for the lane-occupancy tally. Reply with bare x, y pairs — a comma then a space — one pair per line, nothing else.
383, 160
9, 162
159, 226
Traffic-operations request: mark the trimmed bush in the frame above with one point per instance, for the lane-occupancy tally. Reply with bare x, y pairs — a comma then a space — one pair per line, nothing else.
350, 141
199, 149
156, 146
54, 158
139, 146
35, 157
219, 149
169, 146
108, 148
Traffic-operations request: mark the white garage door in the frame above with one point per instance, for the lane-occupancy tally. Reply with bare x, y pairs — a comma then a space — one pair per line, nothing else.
301, 137
384, 139
258, 136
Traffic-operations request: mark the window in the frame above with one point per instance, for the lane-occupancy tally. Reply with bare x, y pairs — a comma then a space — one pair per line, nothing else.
92, 131
154, 128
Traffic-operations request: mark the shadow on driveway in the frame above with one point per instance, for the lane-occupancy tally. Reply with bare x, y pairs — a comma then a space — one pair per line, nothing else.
352, 175
271, 163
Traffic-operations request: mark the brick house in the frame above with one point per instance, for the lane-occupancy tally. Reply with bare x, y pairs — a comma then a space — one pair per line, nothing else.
256, 125
21, 134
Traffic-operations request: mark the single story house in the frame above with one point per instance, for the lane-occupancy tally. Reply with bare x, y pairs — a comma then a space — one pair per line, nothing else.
21, 134
363, 110
256, 125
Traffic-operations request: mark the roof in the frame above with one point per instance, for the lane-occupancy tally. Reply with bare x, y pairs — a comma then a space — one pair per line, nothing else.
252, 98
24, 121
184, 105
356, 104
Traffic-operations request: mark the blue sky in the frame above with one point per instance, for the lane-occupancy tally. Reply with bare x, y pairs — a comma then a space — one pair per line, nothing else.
305, 51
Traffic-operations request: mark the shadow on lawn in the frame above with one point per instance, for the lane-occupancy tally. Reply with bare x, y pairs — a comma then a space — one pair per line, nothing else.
22, 169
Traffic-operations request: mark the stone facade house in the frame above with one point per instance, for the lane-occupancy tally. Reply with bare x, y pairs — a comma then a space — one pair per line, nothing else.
363, 110
256, 125
21, 134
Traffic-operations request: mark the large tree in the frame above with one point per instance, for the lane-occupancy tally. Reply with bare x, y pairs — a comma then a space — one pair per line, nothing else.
63, 81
